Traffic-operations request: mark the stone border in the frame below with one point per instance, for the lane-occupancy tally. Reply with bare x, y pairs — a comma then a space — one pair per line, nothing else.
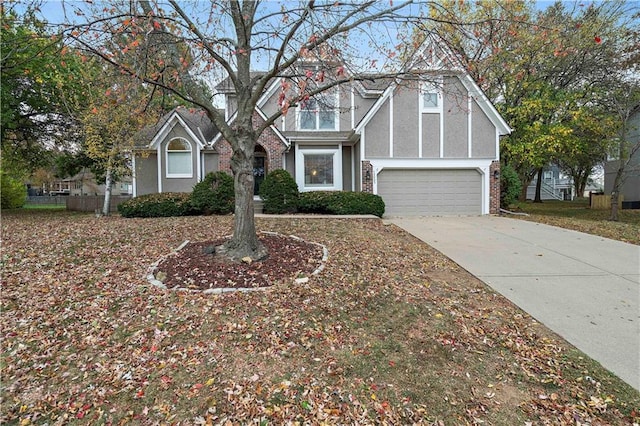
151, 272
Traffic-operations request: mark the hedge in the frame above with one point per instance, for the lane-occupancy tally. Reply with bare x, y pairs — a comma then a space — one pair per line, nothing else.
164, 204
340, 203
214, 195
279, 192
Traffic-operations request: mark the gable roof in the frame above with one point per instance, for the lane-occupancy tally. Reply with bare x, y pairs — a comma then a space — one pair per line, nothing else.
262, 115
194, 121
441, 61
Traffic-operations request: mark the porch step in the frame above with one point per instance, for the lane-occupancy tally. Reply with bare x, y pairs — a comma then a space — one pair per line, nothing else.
257, 206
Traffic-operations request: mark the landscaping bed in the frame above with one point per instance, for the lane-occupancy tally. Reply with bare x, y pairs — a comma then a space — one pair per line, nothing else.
390, 331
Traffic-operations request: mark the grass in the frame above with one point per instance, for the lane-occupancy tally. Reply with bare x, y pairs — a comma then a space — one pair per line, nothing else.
44, 206
390, 332
578, 216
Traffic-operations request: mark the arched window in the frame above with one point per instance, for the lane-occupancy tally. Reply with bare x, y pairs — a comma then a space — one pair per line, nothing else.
179, 160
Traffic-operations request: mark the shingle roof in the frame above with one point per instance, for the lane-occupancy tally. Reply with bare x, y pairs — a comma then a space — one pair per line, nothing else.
196, 119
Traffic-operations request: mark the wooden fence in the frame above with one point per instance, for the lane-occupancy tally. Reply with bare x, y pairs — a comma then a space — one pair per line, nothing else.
602, 202
58, 200
92, 203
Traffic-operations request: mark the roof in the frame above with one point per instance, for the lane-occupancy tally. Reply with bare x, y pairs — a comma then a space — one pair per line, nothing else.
196, 121
226, 85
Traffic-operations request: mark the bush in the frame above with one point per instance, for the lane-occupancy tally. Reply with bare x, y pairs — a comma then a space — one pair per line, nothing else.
510, 186
13, 193
214, 195
279, 192
157, 205
341, 203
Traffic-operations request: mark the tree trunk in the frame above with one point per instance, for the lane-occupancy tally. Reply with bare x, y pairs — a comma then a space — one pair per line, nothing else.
538, 198
108, 183
615, 192
244, 242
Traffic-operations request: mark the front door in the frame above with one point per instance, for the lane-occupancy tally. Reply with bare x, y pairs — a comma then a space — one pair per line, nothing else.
259, 171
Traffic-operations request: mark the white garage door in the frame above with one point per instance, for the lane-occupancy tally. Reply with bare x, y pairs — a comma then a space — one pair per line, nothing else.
415, 192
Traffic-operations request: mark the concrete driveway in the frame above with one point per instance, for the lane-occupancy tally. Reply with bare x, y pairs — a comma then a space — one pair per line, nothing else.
583, 287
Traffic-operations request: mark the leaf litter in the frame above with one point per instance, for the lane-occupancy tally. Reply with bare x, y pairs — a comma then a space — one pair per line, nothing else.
391, 332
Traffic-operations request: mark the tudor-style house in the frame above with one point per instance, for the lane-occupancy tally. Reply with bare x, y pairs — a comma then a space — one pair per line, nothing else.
427, 146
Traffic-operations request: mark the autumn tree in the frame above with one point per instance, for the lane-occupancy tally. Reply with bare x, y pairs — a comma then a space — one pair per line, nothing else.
347, 41
35, 75
539, 67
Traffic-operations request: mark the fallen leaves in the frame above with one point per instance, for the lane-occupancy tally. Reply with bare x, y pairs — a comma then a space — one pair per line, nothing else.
86, 339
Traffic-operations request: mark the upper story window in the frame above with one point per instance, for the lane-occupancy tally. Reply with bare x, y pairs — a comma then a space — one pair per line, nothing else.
319, 113
430, 98
179, 159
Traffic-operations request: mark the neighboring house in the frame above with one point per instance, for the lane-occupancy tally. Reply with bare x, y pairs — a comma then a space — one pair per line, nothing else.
427, 147
84, 183
631, 179
555, 185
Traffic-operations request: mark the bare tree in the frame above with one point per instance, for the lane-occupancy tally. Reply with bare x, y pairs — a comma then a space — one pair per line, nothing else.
178, 44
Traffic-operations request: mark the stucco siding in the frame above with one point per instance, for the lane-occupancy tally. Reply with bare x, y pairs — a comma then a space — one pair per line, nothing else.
347, 166
361, 107
357, 169
178, 184
146, 174
344, 115
483, 134
405, 123
455, 119
210, 163
290, 162
430, 135
377, 134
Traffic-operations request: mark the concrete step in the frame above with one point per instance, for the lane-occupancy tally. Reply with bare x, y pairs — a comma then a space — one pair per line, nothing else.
257, 206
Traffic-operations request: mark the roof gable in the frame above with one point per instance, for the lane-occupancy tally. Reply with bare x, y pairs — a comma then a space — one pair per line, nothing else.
437, 60
195, 122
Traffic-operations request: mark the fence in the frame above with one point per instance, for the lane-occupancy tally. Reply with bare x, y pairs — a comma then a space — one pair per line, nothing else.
91, 203
602, 202
58, 200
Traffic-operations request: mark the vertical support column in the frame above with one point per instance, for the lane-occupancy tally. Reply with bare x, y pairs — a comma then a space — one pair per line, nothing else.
367, 177
494, 187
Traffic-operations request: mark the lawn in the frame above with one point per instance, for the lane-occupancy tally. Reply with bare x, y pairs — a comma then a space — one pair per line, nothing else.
578, 216
390, 332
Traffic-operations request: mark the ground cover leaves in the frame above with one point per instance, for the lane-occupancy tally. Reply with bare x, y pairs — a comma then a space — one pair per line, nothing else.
390, 332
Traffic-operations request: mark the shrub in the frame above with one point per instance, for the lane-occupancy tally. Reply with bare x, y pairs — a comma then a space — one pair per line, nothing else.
510, 186
279, 192
341, 203
214, 195
157, 205
13, 193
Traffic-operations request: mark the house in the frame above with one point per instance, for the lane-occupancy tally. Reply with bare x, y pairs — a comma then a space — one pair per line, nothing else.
426, 145
631, 178
84, 183
555, 185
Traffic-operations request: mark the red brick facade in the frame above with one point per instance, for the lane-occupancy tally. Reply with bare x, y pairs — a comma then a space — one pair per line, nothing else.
367, 177
268, 140
494, 188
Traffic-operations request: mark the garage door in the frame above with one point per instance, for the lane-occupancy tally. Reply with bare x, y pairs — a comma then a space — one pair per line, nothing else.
431, 192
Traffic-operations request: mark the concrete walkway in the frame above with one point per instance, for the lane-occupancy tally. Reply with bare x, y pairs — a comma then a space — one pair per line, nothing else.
583, 287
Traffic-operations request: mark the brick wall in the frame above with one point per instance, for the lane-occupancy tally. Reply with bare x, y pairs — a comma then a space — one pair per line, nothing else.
367, 184
268, 140
494, 189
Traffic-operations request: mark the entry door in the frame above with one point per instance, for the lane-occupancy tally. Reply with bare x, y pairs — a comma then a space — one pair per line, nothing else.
259, 171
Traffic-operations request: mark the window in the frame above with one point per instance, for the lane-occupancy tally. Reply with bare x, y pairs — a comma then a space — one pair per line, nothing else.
179, 162
320, 113
319, 169
430, 98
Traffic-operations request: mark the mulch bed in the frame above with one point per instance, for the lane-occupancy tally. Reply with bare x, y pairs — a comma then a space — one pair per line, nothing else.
193, 267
